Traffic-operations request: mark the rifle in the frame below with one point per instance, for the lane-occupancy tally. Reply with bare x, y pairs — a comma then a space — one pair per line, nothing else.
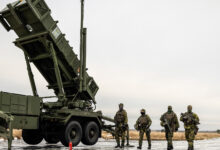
190, 118
167, 125
184, 117
125, 127
139, 126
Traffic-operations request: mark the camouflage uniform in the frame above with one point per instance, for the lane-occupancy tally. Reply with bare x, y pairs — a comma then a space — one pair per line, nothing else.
121, 121
191, 120
6, 127
170, 122
143, 126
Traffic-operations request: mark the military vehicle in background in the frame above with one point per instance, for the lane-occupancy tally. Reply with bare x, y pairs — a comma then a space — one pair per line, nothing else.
72, 118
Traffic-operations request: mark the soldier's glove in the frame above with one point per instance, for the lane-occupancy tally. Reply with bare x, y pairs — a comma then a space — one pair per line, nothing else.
125, 126
176, 129
148, 130
162, 124
136, 127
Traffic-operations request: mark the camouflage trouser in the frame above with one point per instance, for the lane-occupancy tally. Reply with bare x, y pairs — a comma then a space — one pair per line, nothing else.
190, 136
169, 138
141, 136
120, 132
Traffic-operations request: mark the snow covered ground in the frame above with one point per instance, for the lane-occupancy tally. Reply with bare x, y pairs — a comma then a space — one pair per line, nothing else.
213, 144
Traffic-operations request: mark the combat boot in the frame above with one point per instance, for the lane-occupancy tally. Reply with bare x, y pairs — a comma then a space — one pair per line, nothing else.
149, 146
118, 143
117, 146
171, 146
139, 147
190, 147
122, 144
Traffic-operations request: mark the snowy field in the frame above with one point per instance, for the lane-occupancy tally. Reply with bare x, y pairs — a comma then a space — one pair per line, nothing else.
213, 144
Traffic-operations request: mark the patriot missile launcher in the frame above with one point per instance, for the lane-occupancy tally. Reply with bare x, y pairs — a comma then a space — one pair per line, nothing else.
72, 118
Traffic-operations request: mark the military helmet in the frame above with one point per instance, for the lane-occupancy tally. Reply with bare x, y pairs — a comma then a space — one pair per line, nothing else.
121, 105
189, 108
143, 111
169, 107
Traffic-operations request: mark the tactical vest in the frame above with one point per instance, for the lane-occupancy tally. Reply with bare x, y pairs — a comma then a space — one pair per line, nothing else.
120, 117
169, 117
189, 118
143, 121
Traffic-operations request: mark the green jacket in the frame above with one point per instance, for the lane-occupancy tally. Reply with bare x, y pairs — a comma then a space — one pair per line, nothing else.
121, 117
170, 119
143, 122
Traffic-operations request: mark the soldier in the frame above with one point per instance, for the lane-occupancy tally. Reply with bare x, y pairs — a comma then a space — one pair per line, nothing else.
121, 121
190, 120
6, 127
143, 126
170, 123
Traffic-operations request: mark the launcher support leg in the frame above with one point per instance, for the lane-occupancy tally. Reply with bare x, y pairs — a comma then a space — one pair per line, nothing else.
10, 135
57, 72
31, 76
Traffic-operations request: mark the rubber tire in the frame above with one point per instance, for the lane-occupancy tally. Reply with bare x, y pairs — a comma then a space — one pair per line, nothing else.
51, 139
65, 137
32, 137
87, 140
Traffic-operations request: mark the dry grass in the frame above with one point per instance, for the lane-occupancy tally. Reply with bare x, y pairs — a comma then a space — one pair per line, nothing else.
134, 135
17, 134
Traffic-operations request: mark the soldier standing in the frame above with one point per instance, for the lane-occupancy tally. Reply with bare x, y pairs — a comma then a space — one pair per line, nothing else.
170, 122
143, 126
190, 120
121, 121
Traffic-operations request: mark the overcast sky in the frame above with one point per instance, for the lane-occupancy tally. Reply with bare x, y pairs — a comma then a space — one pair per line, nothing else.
146, 54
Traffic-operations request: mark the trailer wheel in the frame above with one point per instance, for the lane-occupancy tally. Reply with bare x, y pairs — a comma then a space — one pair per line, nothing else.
72, 133
51, 139
32, 137
91, 133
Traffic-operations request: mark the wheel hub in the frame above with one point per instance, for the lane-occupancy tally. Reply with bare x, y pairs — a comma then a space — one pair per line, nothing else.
72, 134
91, 133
